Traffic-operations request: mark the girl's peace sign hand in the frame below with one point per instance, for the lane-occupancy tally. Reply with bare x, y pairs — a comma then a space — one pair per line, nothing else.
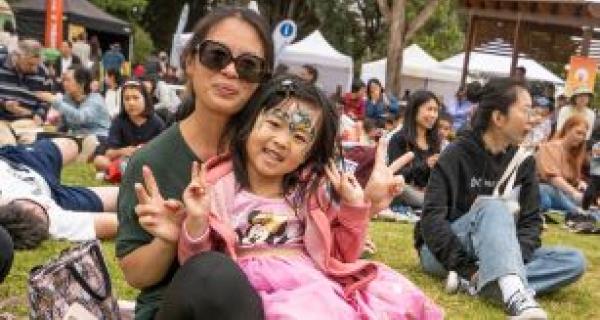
345, 184
197, 194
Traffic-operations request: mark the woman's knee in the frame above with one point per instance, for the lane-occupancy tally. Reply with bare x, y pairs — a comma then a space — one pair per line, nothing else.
430, 264
68, 149
204, 287
576, 262
212, 270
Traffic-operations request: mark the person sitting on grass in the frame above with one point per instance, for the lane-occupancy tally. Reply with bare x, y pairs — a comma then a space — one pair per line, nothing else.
136, 124
445, 131
495, 252
419, 134
560, 165
83, 111
294, 222
30, 189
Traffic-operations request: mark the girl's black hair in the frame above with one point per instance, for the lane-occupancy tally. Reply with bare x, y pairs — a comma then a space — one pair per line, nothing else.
199, 35
498, 94
116, 74
369, 83
306, 178
139, 86
409, 127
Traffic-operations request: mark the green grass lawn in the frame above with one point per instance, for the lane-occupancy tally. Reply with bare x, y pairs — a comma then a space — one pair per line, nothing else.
395, 248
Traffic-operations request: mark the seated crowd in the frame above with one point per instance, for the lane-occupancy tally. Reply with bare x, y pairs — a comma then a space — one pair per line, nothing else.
243, 190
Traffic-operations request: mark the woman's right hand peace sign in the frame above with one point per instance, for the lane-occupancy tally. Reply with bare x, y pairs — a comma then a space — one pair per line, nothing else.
159, 217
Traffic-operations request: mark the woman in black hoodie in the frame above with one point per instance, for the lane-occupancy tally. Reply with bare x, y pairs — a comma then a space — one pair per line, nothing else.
486, 245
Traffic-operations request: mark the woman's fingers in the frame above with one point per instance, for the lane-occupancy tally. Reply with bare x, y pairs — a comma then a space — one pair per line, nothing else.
174, 205
381, 153
150, 182
402, 161
147, 210
141, 193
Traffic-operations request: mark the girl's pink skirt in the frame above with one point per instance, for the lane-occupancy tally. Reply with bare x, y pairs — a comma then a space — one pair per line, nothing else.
291, 287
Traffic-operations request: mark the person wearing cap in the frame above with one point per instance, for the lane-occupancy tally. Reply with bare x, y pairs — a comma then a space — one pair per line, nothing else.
580, 100
541, 121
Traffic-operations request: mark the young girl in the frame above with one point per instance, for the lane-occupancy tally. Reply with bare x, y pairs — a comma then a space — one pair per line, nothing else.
267, 205
135, 125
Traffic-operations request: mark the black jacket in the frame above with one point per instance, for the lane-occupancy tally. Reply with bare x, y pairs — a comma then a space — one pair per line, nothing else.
464, 171
416, 172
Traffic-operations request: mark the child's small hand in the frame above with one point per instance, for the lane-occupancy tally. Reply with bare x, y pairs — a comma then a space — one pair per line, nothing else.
196, 196
345, 184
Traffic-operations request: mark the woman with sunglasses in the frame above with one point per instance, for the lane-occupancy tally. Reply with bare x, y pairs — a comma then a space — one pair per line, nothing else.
229, 55
134, 126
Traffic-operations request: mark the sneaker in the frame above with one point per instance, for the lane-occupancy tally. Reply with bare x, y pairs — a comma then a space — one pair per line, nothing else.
386, 215
522, 306
456, 284
407, 217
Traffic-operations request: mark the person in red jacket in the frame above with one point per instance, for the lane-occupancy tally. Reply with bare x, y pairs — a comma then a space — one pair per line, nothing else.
354, 101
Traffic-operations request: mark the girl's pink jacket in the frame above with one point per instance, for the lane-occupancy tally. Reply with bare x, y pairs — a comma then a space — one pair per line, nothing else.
333, 238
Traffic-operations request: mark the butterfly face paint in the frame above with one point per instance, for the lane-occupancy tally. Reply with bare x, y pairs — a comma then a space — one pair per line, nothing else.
294, 116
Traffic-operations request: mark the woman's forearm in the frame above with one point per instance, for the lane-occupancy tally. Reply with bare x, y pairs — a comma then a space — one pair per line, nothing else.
148, 264
564, 186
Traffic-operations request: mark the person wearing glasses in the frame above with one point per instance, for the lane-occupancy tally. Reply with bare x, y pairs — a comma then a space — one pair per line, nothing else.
488, 245
83, 112
228, 56
134, 126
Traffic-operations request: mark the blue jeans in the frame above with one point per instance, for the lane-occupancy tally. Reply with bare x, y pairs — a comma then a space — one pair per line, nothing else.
553, 198
488, 234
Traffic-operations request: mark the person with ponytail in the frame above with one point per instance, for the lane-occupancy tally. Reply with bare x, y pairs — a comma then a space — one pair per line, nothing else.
485, 247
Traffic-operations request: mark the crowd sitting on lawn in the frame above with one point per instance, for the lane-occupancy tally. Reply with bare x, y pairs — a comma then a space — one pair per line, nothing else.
257, 188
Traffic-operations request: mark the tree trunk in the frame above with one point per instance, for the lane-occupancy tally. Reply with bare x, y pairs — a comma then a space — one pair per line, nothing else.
395, 48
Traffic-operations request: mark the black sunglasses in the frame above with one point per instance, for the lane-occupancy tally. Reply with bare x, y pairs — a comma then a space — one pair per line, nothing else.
216, 56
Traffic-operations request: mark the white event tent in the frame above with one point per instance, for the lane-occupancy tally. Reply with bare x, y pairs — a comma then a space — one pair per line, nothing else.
419, 71
488, 65
335, 68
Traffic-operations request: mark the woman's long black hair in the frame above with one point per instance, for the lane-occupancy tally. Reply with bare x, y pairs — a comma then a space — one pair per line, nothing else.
409, 127
306, 178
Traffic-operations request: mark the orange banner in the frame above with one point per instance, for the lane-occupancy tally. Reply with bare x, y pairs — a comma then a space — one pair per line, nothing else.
582, 73
54, 26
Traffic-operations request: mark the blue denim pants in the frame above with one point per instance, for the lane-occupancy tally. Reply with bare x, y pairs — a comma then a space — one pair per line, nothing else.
487, 232
553, 198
